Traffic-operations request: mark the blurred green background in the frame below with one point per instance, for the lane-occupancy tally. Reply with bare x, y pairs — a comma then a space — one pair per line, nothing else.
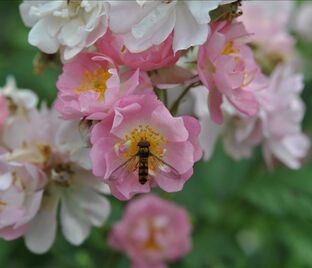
243, 215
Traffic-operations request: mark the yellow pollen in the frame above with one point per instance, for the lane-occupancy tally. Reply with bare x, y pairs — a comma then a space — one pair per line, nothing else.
229, 48
151, 243
146, 133
95, 81
2, 203
45, 152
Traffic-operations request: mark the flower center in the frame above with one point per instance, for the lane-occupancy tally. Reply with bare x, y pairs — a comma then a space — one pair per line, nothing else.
229, 48
128, 146
154, 230
62, 174
38, 154
240, 65
95, 81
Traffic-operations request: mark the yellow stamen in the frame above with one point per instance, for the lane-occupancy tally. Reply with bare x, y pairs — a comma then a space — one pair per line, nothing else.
229, 48
46, 153
128, 147
151, 243
95, 81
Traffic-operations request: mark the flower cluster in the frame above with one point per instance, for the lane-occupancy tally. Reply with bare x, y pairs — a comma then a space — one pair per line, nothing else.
145, 90
44, 165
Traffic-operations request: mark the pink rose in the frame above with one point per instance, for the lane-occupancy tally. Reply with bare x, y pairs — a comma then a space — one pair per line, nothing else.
152, 232
171, 140
283, 136
21, 191
227, 68
273, 38
156, 57
90, 85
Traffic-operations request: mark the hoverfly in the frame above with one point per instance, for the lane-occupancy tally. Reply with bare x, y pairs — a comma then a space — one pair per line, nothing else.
140, 162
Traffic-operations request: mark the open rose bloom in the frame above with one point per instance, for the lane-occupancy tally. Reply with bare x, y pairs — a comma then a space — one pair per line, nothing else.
227, 68
172, 143
274, 39
20, 196
72, 25
152, 232
277, 125
99, 86
93, 92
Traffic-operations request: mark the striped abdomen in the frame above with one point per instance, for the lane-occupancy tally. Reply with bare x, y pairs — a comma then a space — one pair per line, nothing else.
143, 155
143, 169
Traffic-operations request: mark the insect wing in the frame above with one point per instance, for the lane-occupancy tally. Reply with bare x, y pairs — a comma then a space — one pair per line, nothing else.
125, 168
165, 169
84, 131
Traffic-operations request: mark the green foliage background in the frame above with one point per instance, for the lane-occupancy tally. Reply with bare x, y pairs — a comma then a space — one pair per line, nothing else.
243, 215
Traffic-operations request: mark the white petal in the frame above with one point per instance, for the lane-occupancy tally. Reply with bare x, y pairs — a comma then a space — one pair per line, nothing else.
5, 181
27, 98
10, 86
28, 20
96, 207
141, 2
32, 205
200, 9
290, 150
43, 8
12, 136
41, 234
209, 135
82, 208
82, 158
39, 37
70, 52
130, 10
187, 32
155, 36
156, 17
69, 140
74, 226
71, 34
99, 30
